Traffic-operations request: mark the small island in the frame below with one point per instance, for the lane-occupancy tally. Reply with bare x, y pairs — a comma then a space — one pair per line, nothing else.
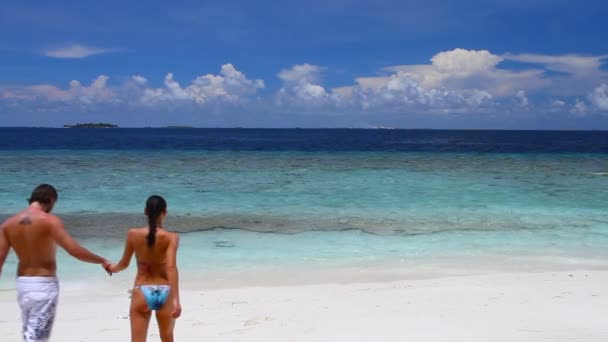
91, 125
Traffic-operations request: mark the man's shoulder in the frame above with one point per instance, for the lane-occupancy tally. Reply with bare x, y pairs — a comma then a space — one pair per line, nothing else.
10, 221
23, 218
51, 218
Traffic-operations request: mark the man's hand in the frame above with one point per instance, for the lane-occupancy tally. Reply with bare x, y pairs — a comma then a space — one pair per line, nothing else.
107, 266
177, 309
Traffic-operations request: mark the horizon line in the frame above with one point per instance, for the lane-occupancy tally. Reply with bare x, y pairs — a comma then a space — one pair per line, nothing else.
317, 128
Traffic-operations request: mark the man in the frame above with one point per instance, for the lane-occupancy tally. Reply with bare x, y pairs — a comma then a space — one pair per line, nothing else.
34, 234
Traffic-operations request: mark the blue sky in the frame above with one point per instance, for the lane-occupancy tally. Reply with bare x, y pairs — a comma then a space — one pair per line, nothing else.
423, 64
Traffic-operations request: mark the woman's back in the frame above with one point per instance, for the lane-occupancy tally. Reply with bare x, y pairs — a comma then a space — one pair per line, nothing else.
151, 260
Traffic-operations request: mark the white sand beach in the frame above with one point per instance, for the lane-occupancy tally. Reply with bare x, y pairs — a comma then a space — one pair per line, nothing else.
531, 306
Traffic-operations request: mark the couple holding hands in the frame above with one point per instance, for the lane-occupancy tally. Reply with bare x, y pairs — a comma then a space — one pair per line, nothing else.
34, 233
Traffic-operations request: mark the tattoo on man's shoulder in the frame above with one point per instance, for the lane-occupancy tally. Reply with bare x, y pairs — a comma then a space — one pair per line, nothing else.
26, 220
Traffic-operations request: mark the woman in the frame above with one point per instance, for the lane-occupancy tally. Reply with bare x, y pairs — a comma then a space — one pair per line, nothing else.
156, 284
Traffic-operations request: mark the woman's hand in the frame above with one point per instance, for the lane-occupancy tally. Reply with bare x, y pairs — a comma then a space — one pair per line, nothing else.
112, 268
177, 309
108, 267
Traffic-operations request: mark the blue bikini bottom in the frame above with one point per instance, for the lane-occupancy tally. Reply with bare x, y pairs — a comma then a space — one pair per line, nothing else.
156, 295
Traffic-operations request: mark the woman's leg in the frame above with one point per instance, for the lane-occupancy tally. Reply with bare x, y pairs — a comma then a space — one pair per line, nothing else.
165, 321
140, 317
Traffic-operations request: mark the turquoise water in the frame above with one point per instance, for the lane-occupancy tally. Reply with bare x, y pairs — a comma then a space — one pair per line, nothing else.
241, 210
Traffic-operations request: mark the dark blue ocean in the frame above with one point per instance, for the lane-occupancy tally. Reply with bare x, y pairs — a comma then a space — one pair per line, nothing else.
376, 140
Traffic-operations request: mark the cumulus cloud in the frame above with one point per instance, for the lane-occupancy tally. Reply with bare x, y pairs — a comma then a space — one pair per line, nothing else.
455, 81
300, 86
301, 73
75, 51
408, 86
230, 85
398, 91
579, 108
599, 97
461, 61
401, 90
460, 80
468, 69
139, 79
522, 99
97, 91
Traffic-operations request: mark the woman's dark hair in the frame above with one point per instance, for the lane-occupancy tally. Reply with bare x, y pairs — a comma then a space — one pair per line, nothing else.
155, 206
43, 194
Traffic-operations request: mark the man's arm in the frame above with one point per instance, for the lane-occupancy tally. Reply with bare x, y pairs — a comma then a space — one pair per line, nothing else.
126, 256
70, 245
5, 246
173, 275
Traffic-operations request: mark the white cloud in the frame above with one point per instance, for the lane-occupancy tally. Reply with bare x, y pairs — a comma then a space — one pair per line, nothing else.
301, 73
401, 90
300, 86
174, 90
139, 79
461, 61
599, 97
97, 91
456, 81
473, 79
75, 51
522, 99
468, 69
579, 108
577, 65
449, 83
230, 85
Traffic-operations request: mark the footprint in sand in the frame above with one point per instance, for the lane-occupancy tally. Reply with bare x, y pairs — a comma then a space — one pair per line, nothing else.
256, 321
249, 324
123, 316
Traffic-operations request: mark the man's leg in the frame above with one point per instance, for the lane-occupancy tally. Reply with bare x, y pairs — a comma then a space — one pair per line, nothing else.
38, 302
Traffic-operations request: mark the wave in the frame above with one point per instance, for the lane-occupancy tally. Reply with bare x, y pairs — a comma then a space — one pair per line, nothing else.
115, 225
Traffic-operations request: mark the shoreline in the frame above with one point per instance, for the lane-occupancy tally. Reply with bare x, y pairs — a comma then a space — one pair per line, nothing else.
512, 306
242, 273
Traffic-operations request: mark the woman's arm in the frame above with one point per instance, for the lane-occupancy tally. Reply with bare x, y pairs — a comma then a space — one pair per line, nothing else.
126, 256
173, 275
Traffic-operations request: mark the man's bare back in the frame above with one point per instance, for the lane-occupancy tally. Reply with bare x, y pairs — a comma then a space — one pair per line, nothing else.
32, 230
34, 234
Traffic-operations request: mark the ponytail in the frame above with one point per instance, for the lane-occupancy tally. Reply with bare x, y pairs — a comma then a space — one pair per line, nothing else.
151, 237
155, 206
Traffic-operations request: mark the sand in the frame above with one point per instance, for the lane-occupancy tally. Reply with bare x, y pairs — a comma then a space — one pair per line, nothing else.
531, 306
